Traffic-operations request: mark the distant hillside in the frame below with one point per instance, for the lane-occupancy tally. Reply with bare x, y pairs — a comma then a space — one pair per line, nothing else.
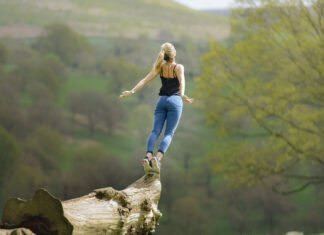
127, 18
219, 12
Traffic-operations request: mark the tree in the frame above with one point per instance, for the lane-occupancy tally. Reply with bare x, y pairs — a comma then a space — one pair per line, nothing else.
264, 92
93, 167
43, 110
121, 74
9, 152
11, 117
61, 40
46, 146
51, 73
189, 217
21, 65
139, 122
3, 54
100, 112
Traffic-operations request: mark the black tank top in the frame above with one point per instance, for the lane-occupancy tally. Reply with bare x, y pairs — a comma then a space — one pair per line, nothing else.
170, 86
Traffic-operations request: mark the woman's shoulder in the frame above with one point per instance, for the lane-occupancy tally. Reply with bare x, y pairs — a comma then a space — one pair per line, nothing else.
179, 67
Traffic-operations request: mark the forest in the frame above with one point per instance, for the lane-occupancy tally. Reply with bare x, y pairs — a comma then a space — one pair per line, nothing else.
247, 157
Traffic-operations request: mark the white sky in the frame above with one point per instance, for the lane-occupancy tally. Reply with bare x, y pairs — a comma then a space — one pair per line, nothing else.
207, 4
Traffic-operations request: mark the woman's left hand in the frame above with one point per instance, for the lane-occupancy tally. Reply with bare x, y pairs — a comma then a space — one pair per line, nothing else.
187, 99
126, 93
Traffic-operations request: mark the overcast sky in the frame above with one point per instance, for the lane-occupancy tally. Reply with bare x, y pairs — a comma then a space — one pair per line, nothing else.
207, 4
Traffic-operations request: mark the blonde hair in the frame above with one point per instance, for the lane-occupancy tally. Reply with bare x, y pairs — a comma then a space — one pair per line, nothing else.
167, 53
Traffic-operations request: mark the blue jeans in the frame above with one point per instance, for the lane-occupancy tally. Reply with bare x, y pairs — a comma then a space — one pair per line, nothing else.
168, 109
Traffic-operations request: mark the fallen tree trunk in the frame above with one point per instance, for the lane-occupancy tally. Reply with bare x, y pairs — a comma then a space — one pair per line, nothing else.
133, 210
18, 231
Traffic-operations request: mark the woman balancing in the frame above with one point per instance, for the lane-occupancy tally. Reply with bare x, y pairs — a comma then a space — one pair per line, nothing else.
169, 105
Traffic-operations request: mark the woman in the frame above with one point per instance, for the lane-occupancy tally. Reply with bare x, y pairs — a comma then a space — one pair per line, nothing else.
169, 105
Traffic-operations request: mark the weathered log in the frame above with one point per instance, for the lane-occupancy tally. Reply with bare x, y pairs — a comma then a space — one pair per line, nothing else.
133, 210
18, 231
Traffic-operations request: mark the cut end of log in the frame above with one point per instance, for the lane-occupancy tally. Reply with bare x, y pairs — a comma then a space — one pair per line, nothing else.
43, 214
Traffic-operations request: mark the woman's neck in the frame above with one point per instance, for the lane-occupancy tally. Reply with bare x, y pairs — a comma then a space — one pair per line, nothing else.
171, 62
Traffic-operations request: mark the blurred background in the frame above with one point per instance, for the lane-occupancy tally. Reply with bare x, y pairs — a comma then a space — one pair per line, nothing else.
247, 157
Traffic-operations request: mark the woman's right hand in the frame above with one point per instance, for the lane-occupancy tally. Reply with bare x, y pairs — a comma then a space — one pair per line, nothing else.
126, 93
187, 99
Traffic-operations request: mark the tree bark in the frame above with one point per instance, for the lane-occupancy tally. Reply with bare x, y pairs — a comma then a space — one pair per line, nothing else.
131, 211
18, 231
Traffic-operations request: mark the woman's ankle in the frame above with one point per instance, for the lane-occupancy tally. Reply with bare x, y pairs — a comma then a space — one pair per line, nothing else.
160, 155
149, 155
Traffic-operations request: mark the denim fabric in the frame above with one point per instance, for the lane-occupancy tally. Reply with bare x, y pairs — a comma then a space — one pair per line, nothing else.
168, 109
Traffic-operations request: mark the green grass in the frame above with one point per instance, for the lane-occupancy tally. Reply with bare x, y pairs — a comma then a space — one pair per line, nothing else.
78, 82
26, 100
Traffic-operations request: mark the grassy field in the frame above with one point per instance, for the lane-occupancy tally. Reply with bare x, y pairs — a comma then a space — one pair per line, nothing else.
78, 82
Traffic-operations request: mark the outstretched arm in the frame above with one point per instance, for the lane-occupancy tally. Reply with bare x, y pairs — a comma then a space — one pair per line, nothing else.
149, 77
181, 77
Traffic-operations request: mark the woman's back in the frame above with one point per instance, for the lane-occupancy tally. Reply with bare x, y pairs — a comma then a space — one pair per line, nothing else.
170, 82
168, 71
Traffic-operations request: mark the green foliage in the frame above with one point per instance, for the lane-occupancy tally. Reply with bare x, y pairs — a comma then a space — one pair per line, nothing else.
9, 152
81, 82
63, 42
188, 224
3, 54
139, 118
28, 175
47, 147
121, 74
266, 86
93, 165
98, 110
51, 73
